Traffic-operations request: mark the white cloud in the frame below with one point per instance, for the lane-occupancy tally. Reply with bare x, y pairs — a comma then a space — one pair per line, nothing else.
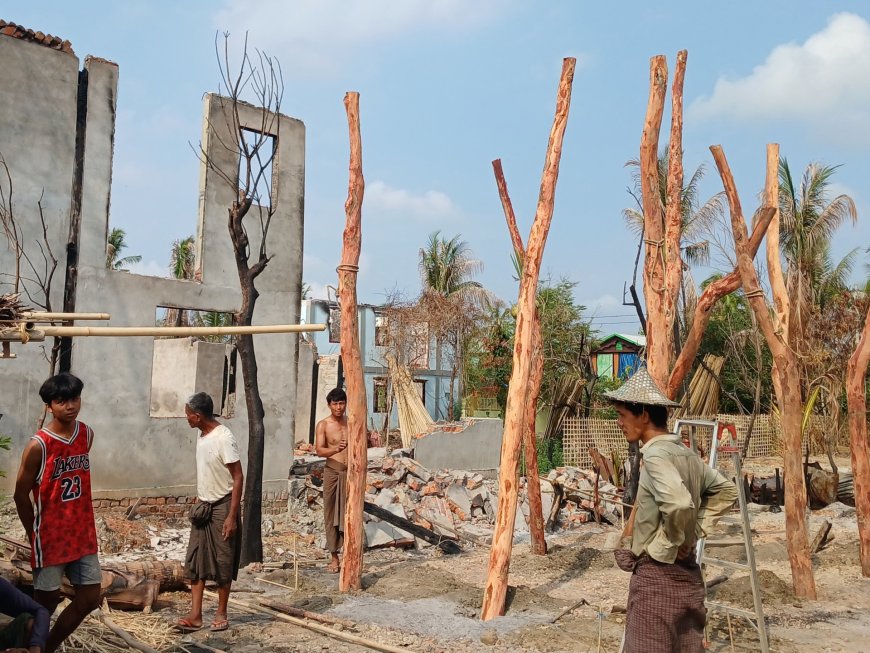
430, 205
149, 269
822, 82
313, 36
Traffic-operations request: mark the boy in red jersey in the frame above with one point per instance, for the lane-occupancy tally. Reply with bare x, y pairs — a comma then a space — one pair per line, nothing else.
55, 470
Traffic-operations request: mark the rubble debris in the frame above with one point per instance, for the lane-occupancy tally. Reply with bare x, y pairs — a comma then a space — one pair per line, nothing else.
455, 504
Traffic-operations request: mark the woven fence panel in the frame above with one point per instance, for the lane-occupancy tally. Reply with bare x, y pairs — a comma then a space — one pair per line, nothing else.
766, 440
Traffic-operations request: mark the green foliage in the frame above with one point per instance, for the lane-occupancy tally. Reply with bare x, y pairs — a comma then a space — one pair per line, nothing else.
446, 266
5, 441
731, 333
114, 245
182, 258
550, 455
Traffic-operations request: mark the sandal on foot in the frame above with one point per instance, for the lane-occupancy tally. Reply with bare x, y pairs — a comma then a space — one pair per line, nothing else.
185, 625
333, 569
218, 625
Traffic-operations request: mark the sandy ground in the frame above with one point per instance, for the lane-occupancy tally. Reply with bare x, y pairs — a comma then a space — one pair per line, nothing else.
422, 600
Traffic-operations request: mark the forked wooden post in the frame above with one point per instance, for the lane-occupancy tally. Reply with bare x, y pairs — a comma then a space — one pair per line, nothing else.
659, 336
704, 307
788, 375
530, 440
502, 541
351, 568
856, 383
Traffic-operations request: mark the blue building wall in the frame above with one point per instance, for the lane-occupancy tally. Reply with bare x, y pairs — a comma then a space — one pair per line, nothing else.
437, 383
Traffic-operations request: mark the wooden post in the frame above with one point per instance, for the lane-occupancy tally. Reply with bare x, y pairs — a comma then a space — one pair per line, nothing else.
789, 378
530, 441
351, 568
502, 541
704, 308
659, 335
856, 383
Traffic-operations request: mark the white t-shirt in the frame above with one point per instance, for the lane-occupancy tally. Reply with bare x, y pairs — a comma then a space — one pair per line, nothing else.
214, 451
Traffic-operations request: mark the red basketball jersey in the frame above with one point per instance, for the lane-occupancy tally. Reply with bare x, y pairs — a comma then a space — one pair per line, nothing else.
63, 528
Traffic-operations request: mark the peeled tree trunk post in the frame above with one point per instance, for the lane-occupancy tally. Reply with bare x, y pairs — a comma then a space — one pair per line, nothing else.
707, 301
788, 374
351, 568
530, 441
502, 541
856, 387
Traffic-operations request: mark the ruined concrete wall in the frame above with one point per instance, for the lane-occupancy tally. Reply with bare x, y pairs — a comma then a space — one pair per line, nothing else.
135, 453
38, 105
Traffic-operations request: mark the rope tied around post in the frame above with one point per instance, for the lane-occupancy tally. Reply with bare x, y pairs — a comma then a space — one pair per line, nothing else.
346, 267
22, 332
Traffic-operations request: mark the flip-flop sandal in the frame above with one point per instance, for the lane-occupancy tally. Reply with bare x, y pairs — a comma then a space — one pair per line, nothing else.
219, 625
333, 569
186, 626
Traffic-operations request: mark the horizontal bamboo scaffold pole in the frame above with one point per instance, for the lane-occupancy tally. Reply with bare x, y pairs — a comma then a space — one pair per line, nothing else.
37, 335
39, 316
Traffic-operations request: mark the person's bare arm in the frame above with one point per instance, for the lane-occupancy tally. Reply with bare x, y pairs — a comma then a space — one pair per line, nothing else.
31, 460
231, 522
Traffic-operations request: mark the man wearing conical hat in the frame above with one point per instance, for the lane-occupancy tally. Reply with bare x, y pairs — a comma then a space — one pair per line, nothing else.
678, 498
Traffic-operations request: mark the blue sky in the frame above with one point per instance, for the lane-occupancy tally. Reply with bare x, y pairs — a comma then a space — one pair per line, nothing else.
448, 85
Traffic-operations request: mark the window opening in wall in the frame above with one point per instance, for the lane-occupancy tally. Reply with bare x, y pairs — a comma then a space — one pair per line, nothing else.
380, 398
420, 386
418, 356
334, 324
261, 148
381, 329
184, 365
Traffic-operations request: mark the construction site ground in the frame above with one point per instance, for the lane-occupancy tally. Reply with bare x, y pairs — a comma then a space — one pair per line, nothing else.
422, 600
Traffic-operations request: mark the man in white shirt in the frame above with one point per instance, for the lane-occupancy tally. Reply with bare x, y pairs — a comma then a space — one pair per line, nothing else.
214, 549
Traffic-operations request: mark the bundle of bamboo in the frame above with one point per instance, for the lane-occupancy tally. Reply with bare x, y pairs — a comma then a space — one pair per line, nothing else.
11, 307
414, 419
702, 399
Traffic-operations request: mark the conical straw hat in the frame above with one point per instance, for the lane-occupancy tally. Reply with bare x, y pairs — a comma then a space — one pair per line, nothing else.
640, 389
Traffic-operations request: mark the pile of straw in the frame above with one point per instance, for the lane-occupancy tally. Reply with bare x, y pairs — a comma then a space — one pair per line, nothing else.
94, 636
414, 419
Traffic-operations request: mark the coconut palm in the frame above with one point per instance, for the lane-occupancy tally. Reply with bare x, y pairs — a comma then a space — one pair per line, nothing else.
808, 221
114, 245
182, 258
697, 218
446, 267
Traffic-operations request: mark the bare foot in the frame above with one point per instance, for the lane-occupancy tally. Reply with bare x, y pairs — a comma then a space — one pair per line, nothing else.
334, 567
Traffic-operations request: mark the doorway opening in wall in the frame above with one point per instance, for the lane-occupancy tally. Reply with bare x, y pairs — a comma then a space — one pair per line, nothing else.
262, 149
184, 365
380, 398
420, 386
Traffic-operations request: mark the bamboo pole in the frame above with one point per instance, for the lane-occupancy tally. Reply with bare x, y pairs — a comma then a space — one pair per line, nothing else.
40, 316
530, 441
789, 377
323, 630
502, 540
351, 568
38, 335
856, 383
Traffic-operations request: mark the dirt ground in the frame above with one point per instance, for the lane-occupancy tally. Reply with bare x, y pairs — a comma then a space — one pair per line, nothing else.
425, 601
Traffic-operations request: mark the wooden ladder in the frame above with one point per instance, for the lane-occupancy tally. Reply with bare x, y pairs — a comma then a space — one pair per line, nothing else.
724, 441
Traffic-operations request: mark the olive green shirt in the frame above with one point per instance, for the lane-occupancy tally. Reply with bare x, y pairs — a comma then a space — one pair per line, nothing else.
679, 498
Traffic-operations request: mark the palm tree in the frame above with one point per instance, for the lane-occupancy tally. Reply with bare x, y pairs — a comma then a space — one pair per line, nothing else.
182, 258
697, 218
446, 267
114, 245
808, 222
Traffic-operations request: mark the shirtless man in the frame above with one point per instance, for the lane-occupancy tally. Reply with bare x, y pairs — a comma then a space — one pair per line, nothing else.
330, 441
